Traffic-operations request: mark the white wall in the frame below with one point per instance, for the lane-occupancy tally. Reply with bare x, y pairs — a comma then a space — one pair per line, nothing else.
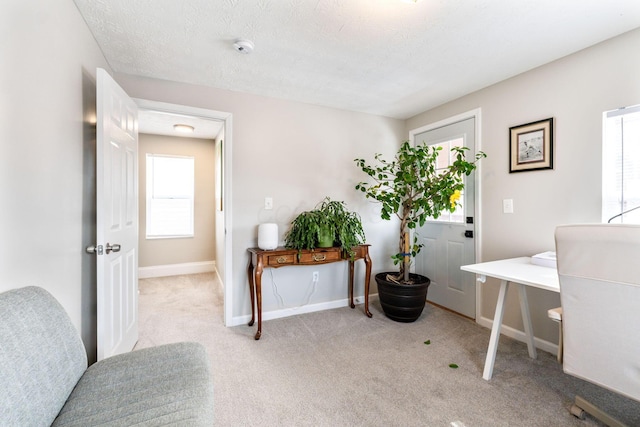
297, 154
575, 90
47, 154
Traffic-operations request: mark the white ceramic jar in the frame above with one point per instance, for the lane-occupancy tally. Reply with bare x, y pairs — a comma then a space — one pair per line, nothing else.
268, 236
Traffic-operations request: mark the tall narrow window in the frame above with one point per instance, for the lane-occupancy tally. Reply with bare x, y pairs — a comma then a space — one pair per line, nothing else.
446, 159
621, 166
170, 191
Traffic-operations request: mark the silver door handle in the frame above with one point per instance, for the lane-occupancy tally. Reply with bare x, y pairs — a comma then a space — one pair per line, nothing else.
112, 248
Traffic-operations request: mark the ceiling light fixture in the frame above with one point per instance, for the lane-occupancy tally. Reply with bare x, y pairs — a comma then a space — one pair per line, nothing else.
183, 128
243, 46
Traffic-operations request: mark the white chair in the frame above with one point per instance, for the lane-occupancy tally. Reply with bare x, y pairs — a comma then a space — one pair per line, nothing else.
599, 272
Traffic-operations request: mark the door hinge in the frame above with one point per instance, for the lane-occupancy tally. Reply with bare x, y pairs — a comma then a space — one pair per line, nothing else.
94, 249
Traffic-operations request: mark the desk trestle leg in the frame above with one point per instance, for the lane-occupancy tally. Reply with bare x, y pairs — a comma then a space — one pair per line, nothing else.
495, 331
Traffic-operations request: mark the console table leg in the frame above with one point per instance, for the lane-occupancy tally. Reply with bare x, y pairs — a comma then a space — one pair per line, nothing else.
251, 291
367, 279
259, 300
351, 304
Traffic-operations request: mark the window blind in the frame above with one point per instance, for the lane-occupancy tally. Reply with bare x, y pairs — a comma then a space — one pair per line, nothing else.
170, 196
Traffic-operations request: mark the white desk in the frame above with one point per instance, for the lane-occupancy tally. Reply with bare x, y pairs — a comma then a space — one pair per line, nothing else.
520, 272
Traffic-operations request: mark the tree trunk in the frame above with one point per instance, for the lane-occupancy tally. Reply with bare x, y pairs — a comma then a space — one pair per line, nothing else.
404, 242
406, 262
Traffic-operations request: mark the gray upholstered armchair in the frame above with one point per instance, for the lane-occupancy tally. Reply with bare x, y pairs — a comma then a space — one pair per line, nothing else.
44, 378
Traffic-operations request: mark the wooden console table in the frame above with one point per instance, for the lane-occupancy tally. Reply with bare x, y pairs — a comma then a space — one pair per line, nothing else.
281, 257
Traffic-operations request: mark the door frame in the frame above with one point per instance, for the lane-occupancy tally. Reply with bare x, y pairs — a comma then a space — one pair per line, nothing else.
472, 114
227, 119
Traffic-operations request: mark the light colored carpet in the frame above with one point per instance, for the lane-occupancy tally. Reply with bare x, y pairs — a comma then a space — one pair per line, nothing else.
340, 368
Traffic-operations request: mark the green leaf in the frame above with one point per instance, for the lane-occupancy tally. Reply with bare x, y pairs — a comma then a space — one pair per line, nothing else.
453, 366
427, 342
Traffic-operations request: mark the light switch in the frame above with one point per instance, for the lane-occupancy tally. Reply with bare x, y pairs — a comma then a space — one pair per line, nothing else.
507, 206
268, 203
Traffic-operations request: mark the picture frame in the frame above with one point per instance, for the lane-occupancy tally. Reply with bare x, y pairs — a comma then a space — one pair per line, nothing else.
531, 146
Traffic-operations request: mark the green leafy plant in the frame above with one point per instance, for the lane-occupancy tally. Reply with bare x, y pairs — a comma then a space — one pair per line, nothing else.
330, 216
412, 188
303, 233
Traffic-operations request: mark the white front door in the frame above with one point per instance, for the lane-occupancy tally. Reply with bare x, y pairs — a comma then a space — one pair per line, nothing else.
117, 218
448, 242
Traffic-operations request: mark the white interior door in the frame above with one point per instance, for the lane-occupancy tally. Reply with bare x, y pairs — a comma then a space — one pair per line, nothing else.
448, 242
117, 218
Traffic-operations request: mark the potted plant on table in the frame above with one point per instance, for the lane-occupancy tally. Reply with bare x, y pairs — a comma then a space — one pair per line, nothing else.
412, 188
329, 224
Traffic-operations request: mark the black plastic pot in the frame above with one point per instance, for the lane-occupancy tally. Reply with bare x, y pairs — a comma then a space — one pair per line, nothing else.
402, 303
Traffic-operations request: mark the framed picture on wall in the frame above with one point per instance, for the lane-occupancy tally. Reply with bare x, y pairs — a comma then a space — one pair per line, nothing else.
531, 146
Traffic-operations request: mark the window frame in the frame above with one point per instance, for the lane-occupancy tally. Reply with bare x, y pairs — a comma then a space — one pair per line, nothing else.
621, 165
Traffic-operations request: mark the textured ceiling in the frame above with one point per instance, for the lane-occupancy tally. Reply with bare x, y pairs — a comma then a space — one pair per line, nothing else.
386, 57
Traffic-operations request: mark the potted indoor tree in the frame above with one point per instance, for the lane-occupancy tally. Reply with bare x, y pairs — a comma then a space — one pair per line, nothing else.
329, 224
412, 188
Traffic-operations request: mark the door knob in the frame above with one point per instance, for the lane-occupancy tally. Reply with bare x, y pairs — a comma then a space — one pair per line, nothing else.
112, 248
94, 249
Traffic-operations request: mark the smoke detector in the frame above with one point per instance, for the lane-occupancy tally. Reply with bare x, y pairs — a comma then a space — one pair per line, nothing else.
243, 46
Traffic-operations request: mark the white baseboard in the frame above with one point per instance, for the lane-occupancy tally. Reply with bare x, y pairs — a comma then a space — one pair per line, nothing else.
176, 269
520, 335
286, 312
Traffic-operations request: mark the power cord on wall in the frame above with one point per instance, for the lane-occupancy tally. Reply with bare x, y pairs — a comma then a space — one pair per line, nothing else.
275, 290
314, 283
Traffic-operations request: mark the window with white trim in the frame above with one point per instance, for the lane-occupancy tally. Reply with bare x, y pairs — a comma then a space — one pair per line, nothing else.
170, 193
621, 166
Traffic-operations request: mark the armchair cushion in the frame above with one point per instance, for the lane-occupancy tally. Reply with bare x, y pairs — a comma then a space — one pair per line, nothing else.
165, 385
